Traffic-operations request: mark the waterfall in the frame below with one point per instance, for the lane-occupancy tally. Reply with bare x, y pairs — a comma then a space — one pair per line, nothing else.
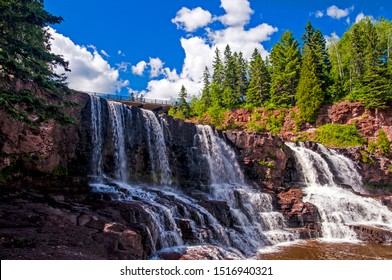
221, 158
228, 212
97, 140
251, 210
157, 149
338, 207
117, 113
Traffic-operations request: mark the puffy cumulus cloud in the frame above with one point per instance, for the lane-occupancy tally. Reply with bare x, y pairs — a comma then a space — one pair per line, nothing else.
191, 20
243, 40
336, 13
89, 71
198, 55
156, 65
166, 89
238, 12
200, 51
139, 68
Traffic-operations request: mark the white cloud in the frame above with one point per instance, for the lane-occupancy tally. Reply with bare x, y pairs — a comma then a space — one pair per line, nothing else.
198, 55
200, 50
191, 20
171, 74
89, 70
243, 40
319, 14
139, 68
165, 89
336, 13
348, 20
238, 12
156, 65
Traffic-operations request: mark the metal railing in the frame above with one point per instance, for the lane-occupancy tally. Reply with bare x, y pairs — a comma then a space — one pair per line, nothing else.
136, 99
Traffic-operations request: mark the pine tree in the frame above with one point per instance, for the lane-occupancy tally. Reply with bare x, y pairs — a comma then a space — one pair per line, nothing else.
231, 87
314, 40
310, 95
285, 59
259, 84
242, 75
183, 104
25, 42
377, 85
206, 94
218, 75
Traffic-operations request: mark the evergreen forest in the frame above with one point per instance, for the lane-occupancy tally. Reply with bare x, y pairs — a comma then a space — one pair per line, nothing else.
304, 73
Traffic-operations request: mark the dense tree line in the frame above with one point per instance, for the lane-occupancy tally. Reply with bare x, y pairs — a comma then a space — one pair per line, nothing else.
357, 68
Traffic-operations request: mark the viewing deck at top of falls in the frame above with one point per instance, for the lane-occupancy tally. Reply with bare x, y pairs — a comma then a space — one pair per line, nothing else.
155, 105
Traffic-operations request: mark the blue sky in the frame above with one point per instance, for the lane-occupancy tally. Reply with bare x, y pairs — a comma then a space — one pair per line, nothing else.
154, 46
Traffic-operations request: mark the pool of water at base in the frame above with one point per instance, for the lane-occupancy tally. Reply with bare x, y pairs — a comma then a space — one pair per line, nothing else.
322, 250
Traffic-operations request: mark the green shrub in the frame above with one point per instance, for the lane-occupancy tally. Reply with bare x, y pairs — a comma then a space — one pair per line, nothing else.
268, 164
381, 146
337, 135
60, 170
365, 157
275, 123
383, 143
217, 115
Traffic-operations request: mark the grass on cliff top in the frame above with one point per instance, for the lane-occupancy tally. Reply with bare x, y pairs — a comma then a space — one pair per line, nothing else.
338, 136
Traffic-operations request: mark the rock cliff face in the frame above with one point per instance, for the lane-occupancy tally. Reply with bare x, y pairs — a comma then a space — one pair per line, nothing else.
368, 121
49, 148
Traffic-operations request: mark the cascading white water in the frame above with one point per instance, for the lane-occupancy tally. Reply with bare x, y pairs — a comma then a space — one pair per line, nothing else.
345, 169
338, 207
116, 114
157, 149
96, 122
248, 222
251, 209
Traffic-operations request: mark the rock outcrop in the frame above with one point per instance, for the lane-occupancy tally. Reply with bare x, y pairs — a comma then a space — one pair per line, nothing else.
372, 234
302, 216
265, 159
49, 148
40, 225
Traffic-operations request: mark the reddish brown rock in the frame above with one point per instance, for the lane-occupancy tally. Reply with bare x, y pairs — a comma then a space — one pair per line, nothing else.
265, 158
372, 234
302, 216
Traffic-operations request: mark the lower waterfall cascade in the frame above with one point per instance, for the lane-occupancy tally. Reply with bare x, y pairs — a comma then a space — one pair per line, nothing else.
338, 207
222, 210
